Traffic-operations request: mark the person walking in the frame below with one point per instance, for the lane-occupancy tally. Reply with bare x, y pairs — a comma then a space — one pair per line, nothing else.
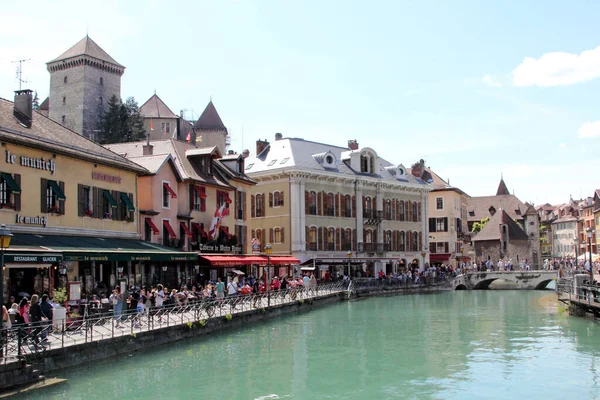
159, 299
312, 284
116, 298
220, 290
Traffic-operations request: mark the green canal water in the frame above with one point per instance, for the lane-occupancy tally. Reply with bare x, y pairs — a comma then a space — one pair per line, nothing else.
457, 345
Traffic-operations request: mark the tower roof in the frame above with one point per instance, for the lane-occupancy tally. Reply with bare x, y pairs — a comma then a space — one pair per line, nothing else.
210, 119
154, 107
491, 230
88, 47
502, 189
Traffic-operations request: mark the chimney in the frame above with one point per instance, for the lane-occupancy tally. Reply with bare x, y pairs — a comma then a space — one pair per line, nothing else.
246, 153
23, 107
278, 136
261, 145
147, 149
353, 144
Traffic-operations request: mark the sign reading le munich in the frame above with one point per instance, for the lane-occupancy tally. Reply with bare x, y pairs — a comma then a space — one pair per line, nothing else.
37, 163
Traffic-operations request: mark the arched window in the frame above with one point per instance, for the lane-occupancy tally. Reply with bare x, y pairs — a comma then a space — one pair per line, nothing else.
260, 205
348, 204
312, 203
346, 239
330, 239
402, 241
415, 207
260, 238
369, 236
277, 235
368, 208
312, 238
387, 209
401, 211
387, 237
277, 199
330, 204
415, 241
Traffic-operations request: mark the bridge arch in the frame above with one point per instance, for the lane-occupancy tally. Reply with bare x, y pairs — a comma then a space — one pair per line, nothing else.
461, 286
542, 285
484, 284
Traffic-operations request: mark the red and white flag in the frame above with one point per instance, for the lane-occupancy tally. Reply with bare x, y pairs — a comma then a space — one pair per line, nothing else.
215, 224
189, 137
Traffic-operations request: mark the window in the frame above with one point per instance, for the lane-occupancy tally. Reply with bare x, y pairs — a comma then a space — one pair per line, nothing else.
53, 197
387, 209
329, 159
86, 204
10, 191
277, 235
387, 241
260, 205
241, 205
240, 166
101, 81
249, 166
272, 163
284, 160
330, 204
439, 203
415, 206
348, 206
312, 203
346, 239
65, 79
415, 241
277, 199
312, 238
166, 127
166, 196
402, 241
330, 239
63, 119
222, 198
368, 208
64, 99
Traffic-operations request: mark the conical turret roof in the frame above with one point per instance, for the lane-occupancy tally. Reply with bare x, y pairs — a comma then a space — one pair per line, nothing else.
210, 119
88, 47
502, 189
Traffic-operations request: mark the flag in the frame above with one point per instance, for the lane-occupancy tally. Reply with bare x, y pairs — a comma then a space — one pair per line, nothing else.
151, 126
189, 137
215, 224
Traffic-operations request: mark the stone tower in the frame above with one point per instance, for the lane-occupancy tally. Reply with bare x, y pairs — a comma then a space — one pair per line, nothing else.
210, 131
531, 220
82, 81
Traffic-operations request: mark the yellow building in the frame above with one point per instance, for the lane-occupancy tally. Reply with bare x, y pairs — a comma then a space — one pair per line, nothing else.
70, 204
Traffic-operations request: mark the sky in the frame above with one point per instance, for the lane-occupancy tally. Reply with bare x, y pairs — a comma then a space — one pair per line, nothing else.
478, 89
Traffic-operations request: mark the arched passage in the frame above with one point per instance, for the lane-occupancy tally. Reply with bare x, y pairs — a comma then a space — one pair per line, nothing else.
460, 287
484, 284
543, 284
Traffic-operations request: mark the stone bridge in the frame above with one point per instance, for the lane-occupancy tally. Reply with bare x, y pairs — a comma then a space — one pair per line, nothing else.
525, 280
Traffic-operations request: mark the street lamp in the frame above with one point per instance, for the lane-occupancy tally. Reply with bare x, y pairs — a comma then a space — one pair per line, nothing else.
589, 235
268, 250
5, 237
349, 254
584, 253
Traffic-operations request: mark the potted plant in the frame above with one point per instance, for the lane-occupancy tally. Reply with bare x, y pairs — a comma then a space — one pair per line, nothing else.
60, 312
88, 213
54, 210
74, 320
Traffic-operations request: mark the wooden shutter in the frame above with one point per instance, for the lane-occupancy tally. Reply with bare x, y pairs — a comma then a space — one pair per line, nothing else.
131, 214
80, 205
244, 240
420, 244
394, 239
307, 236
61, 203
116, 212
281, 202
17, 197
337, 205
252, 206
338, 239
43, 198
244, 206
446, 249
354, 246
306, 202
419, 217
393, 209
445, 224
203, 200
319, 205
270, 199
282, 236
253, 233
353, 206
320, 238
408, 241
271, 235
432, 224
191, 190
342, 211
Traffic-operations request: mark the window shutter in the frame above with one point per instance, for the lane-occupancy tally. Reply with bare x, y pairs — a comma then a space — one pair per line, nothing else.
43, 198
354, 207
281, 202
244, 206
364, 204
252, 206
61, 204
307, 236
432, 223
191, 190
342, 211
116, 212
394, 238
337, 205
393, 209
253, 233
131, 214
320, 238
420, 240
445, 224
419, 218
319, 205
364, 235
282, 236
446, 250
270, 199
271, 235
98, 200
354, 246
17, 197
338, 239
409, 241
218, 198
80, 205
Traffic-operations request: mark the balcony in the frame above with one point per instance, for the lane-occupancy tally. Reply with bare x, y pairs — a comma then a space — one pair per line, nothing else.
372, 217
371, 247
311, 246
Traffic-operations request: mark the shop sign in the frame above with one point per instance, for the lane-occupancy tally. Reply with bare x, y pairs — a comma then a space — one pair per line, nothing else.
106, 178
130, 257
36, 163
218, 248
32, 258
38, 220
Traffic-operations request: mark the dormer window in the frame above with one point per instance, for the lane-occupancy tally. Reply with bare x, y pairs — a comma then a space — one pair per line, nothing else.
367, 163
206, 165
492, 210
240, 166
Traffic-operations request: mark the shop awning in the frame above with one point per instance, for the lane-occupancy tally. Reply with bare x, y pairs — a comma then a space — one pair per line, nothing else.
171, 191
111, 200
186, 229
84, 248
169, 229
278, 260
439, 257
232, 260
198, 227
12, 184
127, 201
149, 222
56, 190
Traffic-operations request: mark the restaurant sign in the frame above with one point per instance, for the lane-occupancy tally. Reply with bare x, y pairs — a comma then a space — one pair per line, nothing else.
207, 248
36, 163
130, 257
33, 258
37, 220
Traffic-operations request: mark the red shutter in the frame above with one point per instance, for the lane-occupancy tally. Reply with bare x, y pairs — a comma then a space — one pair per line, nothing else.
419, 218
270, 199
17, 197
319, 205
282, 236
394, 238
271, 235
353, 206
252, 206
338, 239
319, 238
342, 211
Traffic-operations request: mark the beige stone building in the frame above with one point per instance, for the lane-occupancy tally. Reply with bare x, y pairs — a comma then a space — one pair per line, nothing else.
332, 206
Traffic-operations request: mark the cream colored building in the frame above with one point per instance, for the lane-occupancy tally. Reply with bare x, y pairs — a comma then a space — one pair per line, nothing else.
324, 203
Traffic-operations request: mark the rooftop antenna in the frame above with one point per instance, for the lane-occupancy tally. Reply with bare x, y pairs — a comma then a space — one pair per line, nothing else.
20, 71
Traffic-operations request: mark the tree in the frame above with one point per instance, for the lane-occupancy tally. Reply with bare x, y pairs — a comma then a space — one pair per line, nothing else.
478, 226
122, 122
36, 101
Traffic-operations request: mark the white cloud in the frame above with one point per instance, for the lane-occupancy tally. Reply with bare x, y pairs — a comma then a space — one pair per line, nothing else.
589, 130
558, 69
490, 81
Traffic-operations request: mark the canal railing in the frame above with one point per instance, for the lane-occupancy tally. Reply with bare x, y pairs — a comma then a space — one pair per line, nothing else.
29, 342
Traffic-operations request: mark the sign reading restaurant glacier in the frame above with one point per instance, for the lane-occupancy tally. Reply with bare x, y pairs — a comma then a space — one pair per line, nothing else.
37, 163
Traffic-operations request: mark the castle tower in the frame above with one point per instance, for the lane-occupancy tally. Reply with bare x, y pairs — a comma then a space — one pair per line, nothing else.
532, 228
82, 81
209, 130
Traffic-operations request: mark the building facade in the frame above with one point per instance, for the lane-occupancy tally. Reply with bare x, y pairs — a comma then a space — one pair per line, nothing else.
336, 208
82, 81
564, 230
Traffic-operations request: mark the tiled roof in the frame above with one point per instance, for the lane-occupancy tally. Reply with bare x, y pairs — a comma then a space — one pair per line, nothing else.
45, 104
152, 163
502, 189
566, 218
177, 149
491, 230
154, 107
478, 208
210, 119
88, 47
298, 153
49, 135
